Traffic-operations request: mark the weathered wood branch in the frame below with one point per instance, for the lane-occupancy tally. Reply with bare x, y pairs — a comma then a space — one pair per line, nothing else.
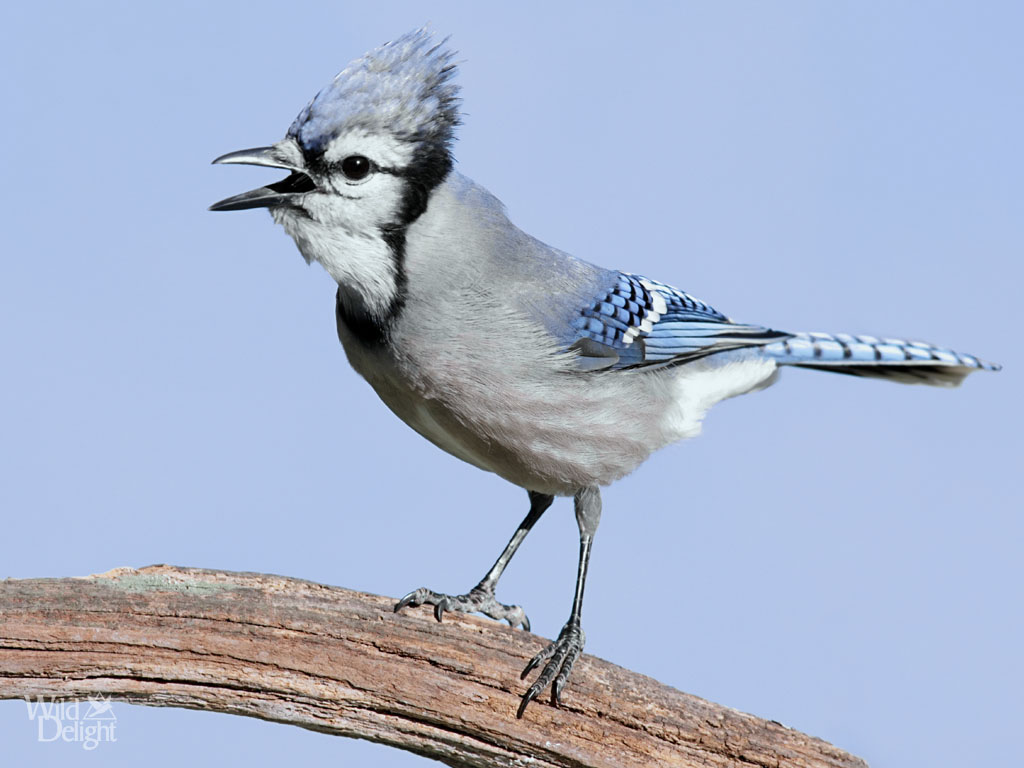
341, 662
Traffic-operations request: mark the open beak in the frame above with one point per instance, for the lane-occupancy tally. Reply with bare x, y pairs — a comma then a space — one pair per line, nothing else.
295, 184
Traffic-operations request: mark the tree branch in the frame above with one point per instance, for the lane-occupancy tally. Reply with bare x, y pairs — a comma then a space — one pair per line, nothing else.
341, 662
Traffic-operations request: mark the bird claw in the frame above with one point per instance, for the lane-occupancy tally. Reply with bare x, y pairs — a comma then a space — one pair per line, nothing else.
560, 656
478, 600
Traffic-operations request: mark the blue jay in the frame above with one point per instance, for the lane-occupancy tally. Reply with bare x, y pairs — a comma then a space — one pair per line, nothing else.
518, 358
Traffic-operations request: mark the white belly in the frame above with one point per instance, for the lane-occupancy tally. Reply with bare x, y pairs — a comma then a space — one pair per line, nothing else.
423, 421
542, 424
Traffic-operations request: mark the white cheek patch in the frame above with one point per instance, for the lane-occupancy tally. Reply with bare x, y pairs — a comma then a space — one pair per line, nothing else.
386, 151
362, 207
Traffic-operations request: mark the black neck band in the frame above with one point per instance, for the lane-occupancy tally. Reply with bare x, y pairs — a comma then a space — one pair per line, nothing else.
430, 165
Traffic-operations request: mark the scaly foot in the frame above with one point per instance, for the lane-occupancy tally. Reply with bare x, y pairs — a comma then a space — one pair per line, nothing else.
479, 600
562, 654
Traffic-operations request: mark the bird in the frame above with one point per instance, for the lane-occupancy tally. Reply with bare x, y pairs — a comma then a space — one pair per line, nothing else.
556, 374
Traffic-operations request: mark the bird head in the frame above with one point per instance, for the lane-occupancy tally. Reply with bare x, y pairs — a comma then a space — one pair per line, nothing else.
365, 153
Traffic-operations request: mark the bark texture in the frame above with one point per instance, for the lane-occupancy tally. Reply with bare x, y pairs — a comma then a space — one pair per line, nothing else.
341, 662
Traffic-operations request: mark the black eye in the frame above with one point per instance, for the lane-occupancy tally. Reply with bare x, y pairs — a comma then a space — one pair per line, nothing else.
355, 167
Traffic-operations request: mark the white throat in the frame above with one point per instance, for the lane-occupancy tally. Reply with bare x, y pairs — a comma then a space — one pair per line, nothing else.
363, 265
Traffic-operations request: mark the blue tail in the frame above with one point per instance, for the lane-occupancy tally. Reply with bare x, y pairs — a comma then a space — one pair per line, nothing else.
908, 362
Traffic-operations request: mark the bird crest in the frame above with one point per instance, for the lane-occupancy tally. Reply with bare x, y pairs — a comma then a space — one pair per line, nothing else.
405, 87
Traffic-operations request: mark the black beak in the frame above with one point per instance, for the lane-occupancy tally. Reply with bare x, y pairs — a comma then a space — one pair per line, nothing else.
295, 184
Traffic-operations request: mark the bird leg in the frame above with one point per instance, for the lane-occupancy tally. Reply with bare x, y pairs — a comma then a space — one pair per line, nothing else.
562, 654
480, 599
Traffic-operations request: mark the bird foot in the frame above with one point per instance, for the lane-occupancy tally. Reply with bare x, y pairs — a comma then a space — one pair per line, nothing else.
562, 654
478, 600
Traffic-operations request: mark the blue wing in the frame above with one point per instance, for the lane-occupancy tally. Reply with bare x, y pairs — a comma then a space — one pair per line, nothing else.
643, 323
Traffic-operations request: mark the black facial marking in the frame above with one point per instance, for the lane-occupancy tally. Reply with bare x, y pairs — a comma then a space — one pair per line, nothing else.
430, 165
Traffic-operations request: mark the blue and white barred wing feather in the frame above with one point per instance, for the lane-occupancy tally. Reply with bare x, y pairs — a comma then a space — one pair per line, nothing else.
641, 323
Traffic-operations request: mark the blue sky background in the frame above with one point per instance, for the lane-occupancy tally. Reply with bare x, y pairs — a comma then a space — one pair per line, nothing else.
843, 556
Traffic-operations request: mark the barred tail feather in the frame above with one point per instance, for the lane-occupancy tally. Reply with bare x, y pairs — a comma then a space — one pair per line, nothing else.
908, 362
